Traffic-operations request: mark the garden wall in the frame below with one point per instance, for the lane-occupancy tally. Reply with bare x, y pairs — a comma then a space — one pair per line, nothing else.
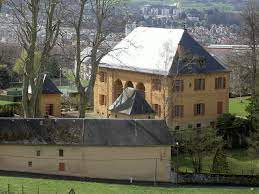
191, 178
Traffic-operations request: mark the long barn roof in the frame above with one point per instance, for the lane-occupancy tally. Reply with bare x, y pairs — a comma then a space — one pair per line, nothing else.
88, 132
155, 50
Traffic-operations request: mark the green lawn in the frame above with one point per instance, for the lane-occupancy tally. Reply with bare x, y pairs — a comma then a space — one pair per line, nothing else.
2, 103
30, 186
238, 106
238, 160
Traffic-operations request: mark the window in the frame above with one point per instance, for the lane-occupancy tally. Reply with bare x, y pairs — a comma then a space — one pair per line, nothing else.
103, 76
38, 153
102, 100
30, 164
219, 107
61, 153
178, 111
199, 109
220, 83
156, 84
177, 127
189, 126
212, 124
157, 109
178, 86
49, 109
198, 125
61, 166
199, 84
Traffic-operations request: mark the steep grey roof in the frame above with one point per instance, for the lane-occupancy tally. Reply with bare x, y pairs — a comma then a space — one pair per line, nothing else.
88, 132
49, 87
131, 102
155, 50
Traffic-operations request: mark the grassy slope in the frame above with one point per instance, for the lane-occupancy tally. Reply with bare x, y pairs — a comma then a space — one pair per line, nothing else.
239, 163
237, 107
56, 186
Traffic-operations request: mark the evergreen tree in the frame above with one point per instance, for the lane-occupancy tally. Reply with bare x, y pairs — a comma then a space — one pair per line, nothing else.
220, 163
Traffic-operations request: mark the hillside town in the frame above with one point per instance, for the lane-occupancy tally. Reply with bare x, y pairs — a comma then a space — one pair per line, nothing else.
138, 97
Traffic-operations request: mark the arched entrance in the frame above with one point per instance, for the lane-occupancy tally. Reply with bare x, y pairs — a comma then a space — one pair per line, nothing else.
129, 84
140, 86
117, 89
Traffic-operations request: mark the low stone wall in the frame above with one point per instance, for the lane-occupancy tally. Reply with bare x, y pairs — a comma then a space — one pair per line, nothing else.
190, 178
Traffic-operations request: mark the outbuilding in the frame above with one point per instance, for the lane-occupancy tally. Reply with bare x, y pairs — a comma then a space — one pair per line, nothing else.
94, 148
131, 104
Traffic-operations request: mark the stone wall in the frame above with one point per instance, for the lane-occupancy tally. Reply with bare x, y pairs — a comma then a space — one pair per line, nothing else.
190, 178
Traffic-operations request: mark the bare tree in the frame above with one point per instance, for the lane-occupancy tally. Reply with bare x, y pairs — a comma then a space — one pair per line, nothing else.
240, 76
97, 15
28, 16
251, 32
1, 4
182, 61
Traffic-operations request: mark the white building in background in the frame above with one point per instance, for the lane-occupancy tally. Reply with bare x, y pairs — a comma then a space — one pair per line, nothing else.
160, 11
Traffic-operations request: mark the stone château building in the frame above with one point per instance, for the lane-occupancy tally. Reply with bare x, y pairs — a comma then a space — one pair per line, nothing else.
182, 82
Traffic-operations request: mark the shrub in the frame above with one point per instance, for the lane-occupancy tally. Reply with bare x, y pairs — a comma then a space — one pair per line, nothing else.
234, 130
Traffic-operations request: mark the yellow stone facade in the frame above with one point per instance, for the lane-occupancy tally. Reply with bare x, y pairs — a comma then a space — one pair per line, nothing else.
108, 89
143, 163
50, 100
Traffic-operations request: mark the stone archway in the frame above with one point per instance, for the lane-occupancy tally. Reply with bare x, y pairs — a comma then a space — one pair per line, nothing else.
129, 84
117, 89
140, 86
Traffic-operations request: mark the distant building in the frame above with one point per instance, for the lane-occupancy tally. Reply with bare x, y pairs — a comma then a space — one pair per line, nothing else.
50, 99
136, 150
160, 11
193, 19
182, 82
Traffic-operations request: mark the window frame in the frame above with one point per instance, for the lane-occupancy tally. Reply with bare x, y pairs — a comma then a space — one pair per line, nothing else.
103, 76
178, 111
156, 84
61, 167
220, 107
178, 86
157, 109
199, 109
199, 84
61, 153
220, 83
102, 100
29, 164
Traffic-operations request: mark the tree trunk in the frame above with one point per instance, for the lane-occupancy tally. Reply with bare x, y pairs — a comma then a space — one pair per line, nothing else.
82, 104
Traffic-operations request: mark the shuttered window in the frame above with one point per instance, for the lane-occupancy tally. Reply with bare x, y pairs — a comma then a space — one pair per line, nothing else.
156, 84
178, 86
220, 83
157, 109
178, 111
199, 109
102, 100
103, 76
199, 84
61, 166
219, 107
